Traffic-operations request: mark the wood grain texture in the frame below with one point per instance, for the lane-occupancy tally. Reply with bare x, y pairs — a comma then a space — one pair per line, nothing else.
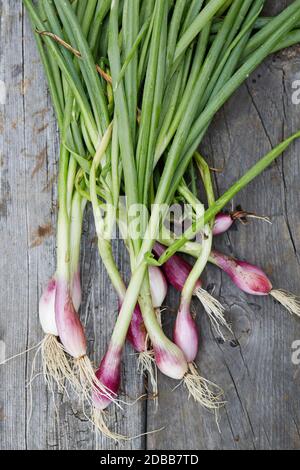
256, 370
29, 151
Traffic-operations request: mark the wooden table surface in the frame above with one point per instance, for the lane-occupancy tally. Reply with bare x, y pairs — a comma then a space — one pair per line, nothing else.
256, 371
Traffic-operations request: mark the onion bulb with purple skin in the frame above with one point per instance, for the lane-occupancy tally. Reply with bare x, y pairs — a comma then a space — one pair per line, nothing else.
186, 336
109, 375
158, 286
252, 280
223, 223
138, 337
137, 334
69, 326
168, 356
225, 220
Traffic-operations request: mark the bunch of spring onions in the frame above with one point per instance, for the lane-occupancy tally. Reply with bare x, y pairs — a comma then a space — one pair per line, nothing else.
135, 84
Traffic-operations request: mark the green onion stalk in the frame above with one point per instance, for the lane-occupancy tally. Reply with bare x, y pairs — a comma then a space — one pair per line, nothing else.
185, 133
104, 225
130, 167
109, 369
173, 364
187, 281
211, 305
56, 365
64, 290
186, 335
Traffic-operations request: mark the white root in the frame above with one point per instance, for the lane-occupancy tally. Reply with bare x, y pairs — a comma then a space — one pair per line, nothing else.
203, 391
147, 366
99, 421
290, 301
23, 353
99, 418
56, 366
214, 310
264, 218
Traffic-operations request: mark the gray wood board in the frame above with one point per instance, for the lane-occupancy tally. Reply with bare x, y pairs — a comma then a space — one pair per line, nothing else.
258, 376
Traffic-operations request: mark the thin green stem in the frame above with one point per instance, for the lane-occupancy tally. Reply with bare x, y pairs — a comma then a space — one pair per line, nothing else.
55, 90
69, 72
251, 174
191, 15
121, 110
104, 243
86, 63
263, 35
166, 134
130, 32
231, 56
207, 238
174, 29
134, 50
199, 128
102, 10
78, 207
145, 141
197, 26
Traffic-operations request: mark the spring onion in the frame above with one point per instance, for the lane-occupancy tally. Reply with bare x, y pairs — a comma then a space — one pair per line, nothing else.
135, 84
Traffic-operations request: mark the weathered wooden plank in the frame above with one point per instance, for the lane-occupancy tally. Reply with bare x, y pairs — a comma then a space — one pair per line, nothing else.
14, 234
29, 154
260, 381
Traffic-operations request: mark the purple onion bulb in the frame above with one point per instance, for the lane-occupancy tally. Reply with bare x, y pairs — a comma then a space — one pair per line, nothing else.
223, 222
247, 277
69, 326
109, 375
176, 269
158, 286
186, 334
